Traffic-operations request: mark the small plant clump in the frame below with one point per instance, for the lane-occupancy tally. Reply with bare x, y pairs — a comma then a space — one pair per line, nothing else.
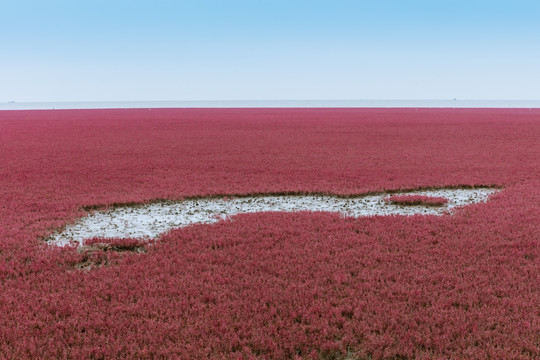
117, 245
95, 253
414, 200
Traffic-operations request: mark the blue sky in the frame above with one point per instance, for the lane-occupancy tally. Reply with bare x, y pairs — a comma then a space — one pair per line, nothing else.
268, 49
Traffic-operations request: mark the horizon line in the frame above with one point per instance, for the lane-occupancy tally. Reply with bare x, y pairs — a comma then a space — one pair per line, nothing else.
300, 103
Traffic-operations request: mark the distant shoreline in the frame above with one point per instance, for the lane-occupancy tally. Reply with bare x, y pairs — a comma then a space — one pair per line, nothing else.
272, 104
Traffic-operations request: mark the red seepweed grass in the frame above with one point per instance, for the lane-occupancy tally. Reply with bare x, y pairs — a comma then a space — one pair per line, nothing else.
274, 285
411, 200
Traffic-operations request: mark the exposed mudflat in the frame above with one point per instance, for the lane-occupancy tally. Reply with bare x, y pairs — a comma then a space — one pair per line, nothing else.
147, 221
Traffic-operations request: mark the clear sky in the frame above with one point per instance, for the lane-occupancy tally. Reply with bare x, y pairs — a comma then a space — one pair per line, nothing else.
112, 50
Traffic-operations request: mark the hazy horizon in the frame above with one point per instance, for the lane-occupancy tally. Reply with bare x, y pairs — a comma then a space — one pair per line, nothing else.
344, 103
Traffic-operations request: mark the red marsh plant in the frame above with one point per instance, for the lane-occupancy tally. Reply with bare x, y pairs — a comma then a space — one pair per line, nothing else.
412, 200
271, 285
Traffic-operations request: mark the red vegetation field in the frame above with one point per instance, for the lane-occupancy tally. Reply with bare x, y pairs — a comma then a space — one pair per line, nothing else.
409, 200
272, 285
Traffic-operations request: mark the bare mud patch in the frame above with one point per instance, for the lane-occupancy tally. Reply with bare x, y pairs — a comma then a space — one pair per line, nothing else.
97, 252
148, 221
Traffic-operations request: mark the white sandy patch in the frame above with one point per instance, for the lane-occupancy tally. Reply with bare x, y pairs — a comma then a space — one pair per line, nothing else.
150, 220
